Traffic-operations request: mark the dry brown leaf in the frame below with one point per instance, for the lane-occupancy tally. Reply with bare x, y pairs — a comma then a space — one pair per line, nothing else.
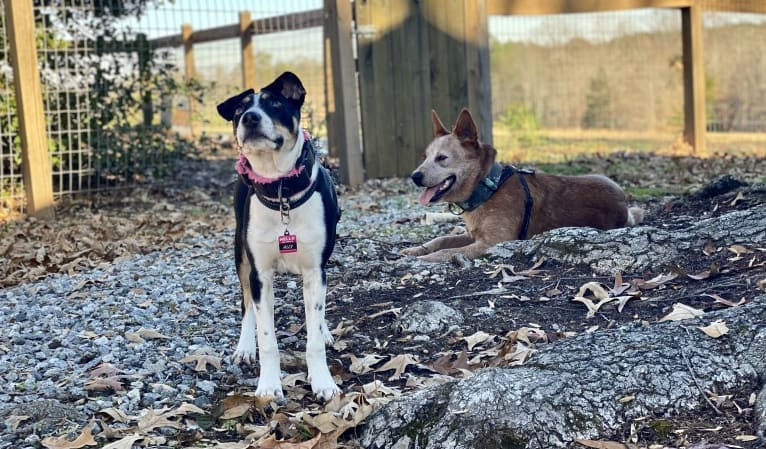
117, 415
13, 421
125, 442
140, 335
272, 443
105, 383
592, 307
363, 365
84, 439
202, 360
655, 281
476, 338
723, 301
682, 312
399, 364
715, 329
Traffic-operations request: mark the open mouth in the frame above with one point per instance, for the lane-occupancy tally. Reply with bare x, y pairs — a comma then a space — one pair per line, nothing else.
435, 193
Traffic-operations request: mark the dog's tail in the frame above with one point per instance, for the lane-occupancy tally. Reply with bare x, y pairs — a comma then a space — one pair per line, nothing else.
635, 216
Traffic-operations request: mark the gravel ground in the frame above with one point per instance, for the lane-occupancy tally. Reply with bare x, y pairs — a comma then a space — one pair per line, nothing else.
125, 336
74, 339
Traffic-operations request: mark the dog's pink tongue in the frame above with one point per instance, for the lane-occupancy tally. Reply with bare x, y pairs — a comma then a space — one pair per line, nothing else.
427, 194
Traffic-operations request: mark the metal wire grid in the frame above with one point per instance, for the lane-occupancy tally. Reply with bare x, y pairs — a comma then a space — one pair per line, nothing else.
735, 71
218, 64
554, 64
66, 76
557, 66
11, 182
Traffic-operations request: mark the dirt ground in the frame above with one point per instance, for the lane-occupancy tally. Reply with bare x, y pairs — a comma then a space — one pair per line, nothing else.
674, 191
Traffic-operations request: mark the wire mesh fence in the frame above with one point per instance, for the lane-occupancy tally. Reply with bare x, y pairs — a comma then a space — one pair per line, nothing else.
617, 77
117, 110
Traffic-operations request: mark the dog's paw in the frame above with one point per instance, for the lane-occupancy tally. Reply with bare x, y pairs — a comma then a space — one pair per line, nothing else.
246, 355
414, 251
268, 389
325, 392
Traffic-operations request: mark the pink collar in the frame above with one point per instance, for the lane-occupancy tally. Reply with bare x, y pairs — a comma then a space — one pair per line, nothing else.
243, 168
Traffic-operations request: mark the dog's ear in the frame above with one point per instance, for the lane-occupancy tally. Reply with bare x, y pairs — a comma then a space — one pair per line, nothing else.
439, 129
228, 108
465, 128
289, 86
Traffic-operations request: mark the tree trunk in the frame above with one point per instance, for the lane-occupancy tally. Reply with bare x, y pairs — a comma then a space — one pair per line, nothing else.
592, 386
639, 248
581, 387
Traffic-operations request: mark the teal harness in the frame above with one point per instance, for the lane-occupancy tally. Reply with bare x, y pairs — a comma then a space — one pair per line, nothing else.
497, 175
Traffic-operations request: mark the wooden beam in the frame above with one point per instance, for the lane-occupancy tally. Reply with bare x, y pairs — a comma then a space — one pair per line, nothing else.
340, 84
246, 48
276, 24
694, 78
542, 7
477, 66
189, 71
746, 6
36, 161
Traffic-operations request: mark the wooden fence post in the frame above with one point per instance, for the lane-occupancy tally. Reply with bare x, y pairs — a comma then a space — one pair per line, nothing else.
246, 45
189, 72
36, 161
144, 58
694, 78
340, 85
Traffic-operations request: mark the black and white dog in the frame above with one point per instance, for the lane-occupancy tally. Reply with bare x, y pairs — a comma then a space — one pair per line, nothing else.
286, 211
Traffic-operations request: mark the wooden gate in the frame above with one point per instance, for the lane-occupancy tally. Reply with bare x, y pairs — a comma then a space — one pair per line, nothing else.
414, 56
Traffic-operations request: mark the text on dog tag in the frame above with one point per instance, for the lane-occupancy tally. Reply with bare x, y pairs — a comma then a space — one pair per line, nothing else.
288, 243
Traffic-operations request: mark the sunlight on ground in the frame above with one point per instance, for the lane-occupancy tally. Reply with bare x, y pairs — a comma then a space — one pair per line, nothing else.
560, 145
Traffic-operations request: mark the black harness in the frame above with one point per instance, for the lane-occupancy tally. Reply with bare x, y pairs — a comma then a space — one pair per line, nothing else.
498, 174
276, 194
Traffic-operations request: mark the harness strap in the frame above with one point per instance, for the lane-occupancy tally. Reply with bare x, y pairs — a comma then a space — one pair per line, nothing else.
488, 186
528, 203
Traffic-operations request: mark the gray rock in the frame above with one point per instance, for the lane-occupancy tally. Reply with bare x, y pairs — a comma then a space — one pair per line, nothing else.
427, 317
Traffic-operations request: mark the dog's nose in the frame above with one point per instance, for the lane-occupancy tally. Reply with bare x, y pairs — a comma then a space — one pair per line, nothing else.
251, 118
417, 178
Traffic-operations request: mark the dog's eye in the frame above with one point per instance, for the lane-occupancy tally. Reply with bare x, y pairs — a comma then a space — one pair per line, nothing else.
441, 158
238, 111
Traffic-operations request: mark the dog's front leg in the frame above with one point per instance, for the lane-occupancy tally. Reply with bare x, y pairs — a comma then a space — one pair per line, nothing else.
317, 334
439, 243
471, 251
269, 382
251, 287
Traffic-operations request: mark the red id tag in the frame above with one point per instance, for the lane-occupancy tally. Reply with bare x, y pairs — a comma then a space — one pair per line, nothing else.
288, 243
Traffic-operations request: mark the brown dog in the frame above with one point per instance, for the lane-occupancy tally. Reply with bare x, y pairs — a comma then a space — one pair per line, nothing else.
501, 203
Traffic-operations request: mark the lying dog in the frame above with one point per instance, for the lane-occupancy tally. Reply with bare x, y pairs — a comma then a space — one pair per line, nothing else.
286, 213
502, 203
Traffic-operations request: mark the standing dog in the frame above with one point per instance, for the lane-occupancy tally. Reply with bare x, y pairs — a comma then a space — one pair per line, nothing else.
502, 203
286, 212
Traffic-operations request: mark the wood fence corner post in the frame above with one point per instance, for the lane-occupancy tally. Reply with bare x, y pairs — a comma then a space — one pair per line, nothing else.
36, 161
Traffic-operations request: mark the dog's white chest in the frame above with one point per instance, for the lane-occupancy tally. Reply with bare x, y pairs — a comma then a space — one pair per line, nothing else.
306, 223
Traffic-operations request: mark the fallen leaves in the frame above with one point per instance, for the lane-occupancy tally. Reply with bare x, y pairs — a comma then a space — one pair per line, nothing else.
682, 312
715, 329
202, 358
84, 439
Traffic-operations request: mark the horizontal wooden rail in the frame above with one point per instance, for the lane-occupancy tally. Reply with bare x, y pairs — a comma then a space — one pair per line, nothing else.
542, 7
286, 22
